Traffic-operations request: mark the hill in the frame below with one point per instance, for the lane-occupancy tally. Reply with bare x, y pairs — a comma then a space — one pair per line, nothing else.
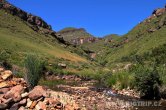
143, 38
22, 33
75, 35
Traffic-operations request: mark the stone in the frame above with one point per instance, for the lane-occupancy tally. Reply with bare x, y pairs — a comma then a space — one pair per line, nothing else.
4, 90
62, 65
17, 97
1, 69
29, 102
23, 95
51, 101
8, 101
6, 74
23, 102
21, 108
41, 106
34, 103
15, 93
3, 84
2, 106
68, 107
15, 106
37, 93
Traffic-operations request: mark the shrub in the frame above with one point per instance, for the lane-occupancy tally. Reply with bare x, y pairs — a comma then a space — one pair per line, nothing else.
34, 68
118, 80
148, 82
4, 57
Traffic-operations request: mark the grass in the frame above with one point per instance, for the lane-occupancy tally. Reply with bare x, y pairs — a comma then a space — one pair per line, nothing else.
19, 39
140, 41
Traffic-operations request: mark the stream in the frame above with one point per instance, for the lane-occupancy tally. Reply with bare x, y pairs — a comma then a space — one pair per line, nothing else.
88, 96
137, 103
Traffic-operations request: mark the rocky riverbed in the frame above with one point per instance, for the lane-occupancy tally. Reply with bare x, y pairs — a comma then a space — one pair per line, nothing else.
14, 95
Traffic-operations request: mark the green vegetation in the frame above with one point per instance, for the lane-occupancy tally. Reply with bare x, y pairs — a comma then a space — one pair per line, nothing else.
140, 40
141, 48
34, 67
148, 82
70, 33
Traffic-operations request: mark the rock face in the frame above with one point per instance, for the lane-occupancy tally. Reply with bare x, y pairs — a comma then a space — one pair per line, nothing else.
77, 36
156, 13
14, 95
34, 22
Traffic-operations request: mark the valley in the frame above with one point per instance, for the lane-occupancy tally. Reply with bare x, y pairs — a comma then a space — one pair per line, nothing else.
81, 71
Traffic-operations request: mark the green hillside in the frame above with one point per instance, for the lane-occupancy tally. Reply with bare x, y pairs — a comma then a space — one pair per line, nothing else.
18, 39
70, 33
141, 39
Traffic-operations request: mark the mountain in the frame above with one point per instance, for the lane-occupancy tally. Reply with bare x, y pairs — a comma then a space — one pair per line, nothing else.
143, 38
22, 33
76, 36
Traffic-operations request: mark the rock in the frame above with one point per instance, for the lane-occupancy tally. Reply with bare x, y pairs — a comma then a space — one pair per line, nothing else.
23, 95
3, 106
21, 108
15, 106
37, 93
62, 65
17, 97
8, 101
3, 84
29, 102
51, 101
41, 106
6, 74
4, 90
15, 93
1, 69
33, 104
23, 102
68, 107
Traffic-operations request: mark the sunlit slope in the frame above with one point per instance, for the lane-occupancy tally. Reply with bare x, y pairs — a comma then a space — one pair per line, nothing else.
143, 38
18, 39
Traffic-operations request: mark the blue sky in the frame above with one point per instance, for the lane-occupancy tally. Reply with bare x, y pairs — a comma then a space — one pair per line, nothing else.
98, 17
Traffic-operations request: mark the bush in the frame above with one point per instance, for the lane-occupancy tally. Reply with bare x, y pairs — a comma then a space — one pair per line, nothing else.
34, 69
148, 82
4, 59
118, 80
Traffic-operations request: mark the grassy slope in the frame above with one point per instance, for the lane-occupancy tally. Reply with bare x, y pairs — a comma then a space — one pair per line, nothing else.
145, 42
78, 33
19, 39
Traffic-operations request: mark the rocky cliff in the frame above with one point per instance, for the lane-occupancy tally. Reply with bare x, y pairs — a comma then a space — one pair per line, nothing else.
76, 36
35, 22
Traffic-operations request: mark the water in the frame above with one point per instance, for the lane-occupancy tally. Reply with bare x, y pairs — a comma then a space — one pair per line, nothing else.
136, 103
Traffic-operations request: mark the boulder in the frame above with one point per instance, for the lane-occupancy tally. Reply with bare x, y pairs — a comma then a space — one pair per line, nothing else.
37, 93
23, 102
4, 90
15, 93
6, 74
24, 95
34, 103
29, 102
3, 84
40, 106
15, 106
